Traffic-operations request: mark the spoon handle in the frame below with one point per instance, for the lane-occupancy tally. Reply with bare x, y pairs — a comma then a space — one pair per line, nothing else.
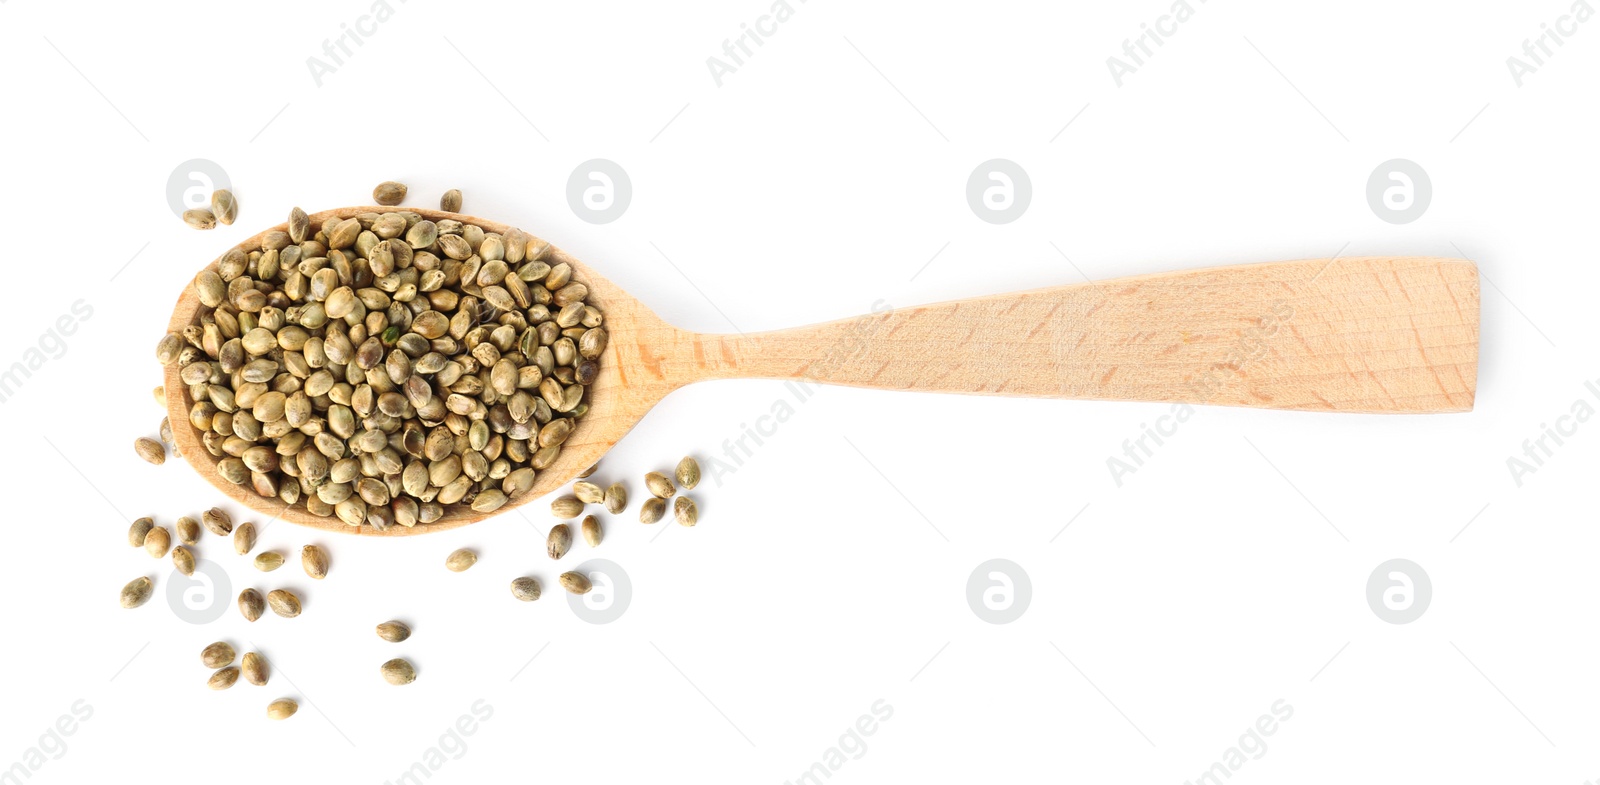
1370, 334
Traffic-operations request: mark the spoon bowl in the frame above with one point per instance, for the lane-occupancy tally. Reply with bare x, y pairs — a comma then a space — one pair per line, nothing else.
611, 394
1358, 334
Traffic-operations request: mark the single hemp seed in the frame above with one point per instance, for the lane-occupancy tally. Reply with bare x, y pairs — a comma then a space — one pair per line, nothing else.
188, 530
251, 604
588, 492
659, 485
559, 541
525, 589
254, 669
688, 473
394, 631
139, 530
390, 193
616, 498
224, 678
566, 507
136, 593
150, 450
315, 561
576, 582
282, 709
244, 538
685, 511
460, 560
183, 559
157, 542
398, 671
224, 206
217, 521
284, 603
217, 655
199, 218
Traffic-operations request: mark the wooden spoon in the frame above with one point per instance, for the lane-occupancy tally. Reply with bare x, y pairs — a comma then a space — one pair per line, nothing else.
1360, 334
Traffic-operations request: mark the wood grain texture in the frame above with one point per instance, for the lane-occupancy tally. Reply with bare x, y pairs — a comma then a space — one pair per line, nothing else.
1376, 334
1373, 334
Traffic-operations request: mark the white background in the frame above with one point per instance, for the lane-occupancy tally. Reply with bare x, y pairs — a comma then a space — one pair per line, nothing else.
1226, 574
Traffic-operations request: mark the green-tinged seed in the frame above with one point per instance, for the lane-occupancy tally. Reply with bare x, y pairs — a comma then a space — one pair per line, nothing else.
592, 533
137, 592
394, 631
460, 560
284, 603
183, 559
566, 507
576, 582
188, 530
150, 450
199, 218
685, 510
688, 473
157, 541
224, 206
217, 655
559, 541
244, 538
525, 589
589, 471
616, 498
315, 561
659, 485
451, 201
251, 604
138, 530
398, 671
389, 193
253, 667
269, 561
654, 507
282, 709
